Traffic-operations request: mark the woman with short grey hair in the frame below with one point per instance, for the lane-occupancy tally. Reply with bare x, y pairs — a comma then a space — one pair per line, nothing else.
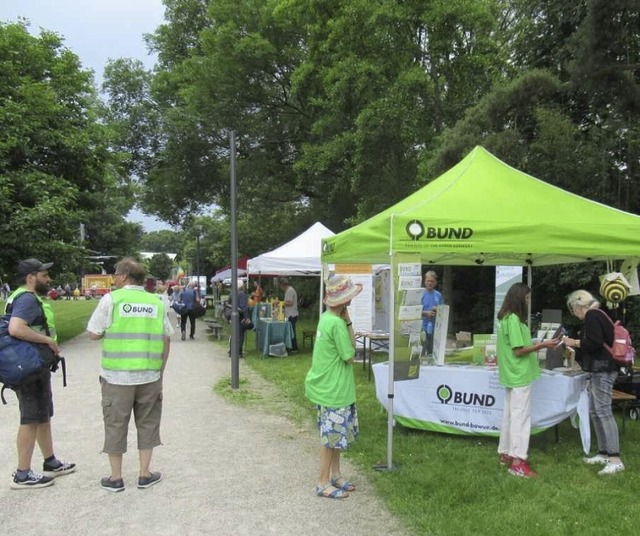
595, 358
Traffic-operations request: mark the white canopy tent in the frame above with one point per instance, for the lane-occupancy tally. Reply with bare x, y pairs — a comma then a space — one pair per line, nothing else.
299, 257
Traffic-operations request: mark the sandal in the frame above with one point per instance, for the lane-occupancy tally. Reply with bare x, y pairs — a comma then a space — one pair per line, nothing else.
337, 493
342, 483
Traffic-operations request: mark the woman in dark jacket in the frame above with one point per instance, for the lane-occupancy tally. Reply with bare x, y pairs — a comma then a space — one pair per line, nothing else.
594, 357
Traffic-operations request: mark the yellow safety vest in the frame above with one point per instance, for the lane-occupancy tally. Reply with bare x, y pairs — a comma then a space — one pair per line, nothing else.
135, 339
46, 309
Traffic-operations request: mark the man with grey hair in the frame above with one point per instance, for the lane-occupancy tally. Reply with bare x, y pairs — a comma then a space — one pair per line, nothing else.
431, 298
135, 331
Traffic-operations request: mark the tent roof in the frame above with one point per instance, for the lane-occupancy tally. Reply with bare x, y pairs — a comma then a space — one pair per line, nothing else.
483, 211
300, 256
225, 273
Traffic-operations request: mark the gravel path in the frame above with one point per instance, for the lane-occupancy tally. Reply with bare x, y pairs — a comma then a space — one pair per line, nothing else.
228, 470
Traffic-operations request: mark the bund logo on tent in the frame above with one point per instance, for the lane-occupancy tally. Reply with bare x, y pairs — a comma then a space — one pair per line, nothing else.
445, 394
415, 229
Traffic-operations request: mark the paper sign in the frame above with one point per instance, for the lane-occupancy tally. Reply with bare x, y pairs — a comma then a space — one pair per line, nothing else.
410, 312
413, 297
406, 269
408, 283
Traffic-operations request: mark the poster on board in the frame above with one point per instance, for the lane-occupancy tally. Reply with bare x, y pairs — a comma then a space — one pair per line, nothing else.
505, 277
407, 316
361, 308
440, 333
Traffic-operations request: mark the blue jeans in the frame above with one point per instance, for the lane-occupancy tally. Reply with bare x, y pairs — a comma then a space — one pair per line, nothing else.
602, 414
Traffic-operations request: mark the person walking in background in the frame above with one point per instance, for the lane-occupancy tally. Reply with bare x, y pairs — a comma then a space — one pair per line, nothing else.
188, 296
161, 291
290, 308
330, 384
135, 332
431, 298
593, 357
243, 313
517, 369
5, 290
29, 320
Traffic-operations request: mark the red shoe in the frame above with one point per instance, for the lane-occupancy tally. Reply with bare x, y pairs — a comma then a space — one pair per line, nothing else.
521, 468
505, 459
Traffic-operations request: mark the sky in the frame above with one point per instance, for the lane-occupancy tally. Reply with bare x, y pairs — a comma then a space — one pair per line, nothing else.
96, 31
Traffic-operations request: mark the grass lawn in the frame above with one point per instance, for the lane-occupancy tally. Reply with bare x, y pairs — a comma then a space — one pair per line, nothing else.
449, 485
71, 316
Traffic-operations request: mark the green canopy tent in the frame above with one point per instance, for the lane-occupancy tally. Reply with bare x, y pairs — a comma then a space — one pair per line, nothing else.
483, 211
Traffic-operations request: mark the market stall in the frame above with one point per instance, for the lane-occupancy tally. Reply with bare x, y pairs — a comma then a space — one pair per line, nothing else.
480, 212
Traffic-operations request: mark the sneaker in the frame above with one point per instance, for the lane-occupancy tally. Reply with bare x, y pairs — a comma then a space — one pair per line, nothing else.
112, 485
598, 459
611, 469
57, 468
505, 459
31, 481
522, 469
148, 481
191, 337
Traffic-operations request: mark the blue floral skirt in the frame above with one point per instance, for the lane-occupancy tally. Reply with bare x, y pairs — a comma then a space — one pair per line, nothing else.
338, 426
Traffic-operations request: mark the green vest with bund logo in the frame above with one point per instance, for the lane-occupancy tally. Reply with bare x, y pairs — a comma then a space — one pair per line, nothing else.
135, 339
46, 309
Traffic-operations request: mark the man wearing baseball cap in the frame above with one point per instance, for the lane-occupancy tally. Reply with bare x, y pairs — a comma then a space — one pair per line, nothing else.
31, 320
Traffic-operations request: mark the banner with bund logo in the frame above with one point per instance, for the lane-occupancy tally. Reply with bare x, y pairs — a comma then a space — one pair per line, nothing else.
469, 400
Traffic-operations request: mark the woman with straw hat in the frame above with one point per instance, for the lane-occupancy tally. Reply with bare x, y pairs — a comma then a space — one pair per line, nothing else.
330, 385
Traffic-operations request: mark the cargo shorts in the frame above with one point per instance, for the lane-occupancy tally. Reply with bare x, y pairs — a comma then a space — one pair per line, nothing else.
118, 402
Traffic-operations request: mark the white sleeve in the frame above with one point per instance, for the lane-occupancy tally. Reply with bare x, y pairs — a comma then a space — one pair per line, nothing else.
101, 318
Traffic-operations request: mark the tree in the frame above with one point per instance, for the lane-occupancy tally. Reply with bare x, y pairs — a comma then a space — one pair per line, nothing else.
160, 266
164, 241
55, 169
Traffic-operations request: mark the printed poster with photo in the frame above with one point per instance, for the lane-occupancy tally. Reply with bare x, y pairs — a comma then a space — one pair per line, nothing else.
407, 279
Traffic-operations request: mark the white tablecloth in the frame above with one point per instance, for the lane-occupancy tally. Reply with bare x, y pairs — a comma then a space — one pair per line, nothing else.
469, 400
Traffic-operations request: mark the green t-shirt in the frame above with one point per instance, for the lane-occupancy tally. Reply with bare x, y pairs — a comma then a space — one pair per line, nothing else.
515, 371
330, 381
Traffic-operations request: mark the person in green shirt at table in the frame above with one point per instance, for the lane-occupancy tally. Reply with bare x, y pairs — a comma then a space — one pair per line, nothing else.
330, 384
517, 369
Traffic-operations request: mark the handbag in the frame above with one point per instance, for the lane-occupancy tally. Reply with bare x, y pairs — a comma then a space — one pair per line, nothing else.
246, 323
198, 309
180, 308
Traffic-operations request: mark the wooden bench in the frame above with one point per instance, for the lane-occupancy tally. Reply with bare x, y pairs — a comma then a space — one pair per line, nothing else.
624, 399
214, 327
308, 334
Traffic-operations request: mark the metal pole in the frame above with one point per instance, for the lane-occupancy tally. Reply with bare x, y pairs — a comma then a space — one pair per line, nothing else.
235, 319
198, 259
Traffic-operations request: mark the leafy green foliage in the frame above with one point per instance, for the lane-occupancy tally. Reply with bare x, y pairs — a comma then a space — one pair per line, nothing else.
55, 169
160, 266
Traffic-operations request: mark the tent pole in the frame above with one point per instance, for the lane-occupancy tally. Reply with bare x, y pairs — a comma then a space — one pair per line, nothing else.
392, 352
390, 386
529, 282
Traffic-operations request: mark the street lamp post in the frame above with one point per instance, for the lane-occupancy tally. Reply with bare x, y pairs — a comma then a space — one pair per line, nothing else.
198, 258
